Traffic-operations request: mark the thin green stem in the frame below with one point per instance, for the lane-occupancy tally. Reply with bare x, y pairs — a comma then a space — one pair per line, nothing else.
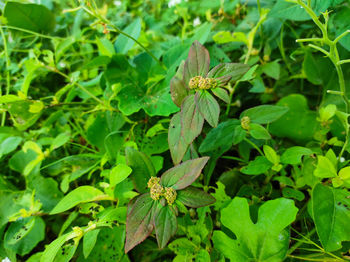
299, 243
343, 61
320, 49
309, 40
107, 22
32, 32
341, 36
254, 145
231, 90
8, 80
235, 158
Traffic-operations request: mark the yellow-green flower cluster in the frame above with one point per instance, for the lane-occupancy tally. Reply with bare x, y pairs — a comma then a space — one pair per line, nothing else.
199, 82
245, 122
157, 191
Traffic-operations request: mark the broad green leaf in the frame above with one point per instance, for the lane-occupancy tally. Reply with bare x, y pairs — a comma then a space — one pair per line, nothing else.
222, 94
331, 216
344, 175
118, 174
194, 197
165, 224
123, 43
197, 62
139, 222
142, 168
9, 144
264, 114
23, 235
178, 89
292, 11
259, 132
258, 166
183, 175
177, 144
271, 154
272, 69
325, 168
293, 193
183, 246
79, 195
29, 16
89, 241
340, 24
223, 37
9, 99
52, 249
252, 238
20, 113
224, 134
228, 71
208, 107
299, 116
105, 47
191, 119
311, 69
327, 112
294, 154
60, 140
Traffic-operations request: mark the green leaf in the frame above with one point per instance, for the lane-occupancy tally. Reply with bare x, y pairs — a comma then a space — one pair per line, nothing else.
293, 193
60, 140
183, 175
52, 249
228, 71
224, 134
9, 99
139, 222
264, 114
118, 174
123, 43
165, 224
299, 117
325, 168
252, 238
258, 166
177, 144
294, 154
177, 87
9, 144
105, 47
89, 241
32, 17
271, 155
272, 69
191, 119
197, 62
331, 216
23, 235
194, 197
222, 94
208, 107
258, 131
142, 168
79, 195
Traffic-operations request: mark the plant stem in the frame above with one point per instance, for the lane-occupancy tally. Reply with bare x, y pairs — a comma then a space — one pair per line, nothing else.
8, 63
254, 145
107, 22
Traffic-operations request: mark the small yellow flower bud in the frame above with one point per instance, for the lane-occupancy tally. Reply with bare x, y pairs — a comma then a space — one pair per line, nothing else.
152, 181
245, 122
194, 82
156, 191
170, 195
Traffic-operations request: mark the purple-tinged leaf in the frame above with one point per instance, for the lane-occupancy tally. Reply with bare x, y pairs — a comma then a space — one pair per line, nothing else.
197, 62
191, 120
194, 197
222, 94
177, 87
142, 168
228, 71
139, 222
208, 107
177, 144
183, 175
165, 224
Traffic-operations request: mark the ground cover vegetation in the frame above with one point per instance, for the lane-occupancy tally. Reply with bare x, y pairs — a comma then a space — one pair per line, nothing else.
175, 130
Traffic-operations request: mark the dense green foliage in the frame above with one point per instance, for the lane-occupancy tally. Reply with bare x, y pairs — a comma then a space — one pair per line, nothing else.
175, 130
